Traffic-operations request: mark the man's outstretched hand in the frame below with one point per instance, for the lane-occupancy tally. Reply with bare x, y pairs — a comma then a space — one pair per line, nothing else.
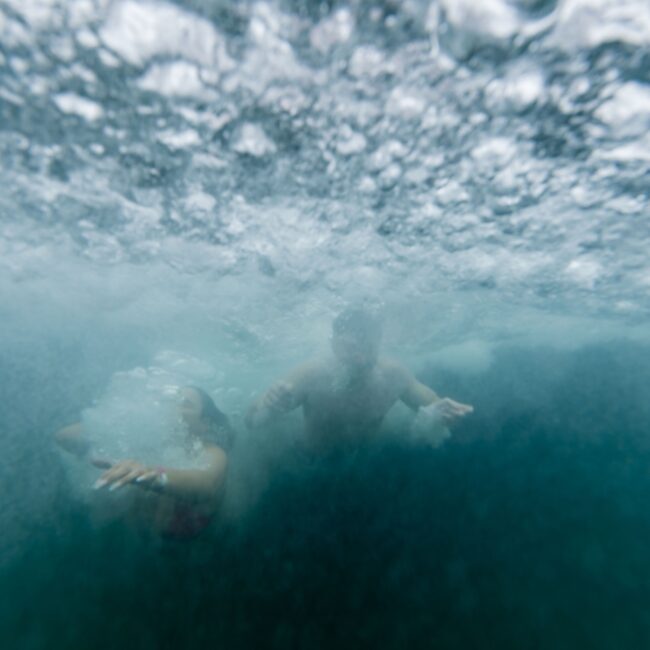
431, 422
450, 410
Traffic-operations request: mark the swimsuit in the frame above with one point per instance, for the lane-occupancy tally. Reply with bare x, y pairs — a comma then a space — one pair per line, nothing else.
186, 522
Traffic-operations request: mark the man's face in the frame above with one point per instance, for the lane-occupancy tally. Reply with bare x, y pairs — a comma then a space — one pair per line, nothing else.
354, 352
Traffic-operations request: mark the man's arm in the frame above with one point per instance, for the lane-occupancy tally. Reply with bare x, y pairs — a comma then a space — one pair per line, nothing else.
283, 396
416, 395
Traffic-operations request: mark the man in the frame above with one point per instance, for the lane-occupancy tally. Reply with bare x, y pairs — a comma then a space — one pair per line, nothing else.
346, 398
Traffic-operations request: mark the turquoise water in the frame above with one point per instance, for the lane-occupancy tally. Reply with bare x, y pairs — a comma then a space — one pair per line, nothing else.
216, 181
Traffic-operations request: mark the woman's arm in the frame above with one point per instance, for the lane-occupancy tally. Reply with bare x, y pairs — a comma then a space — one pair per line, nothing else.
192, 484
71, 439
199, 484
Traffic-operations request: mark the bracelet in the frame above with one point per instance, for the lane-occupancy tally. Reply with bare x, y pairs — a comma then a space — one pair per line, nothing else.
162, 479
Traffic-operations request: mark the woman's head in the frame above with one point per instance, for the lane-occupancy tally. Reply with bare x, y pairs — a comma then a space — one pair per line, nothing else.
203, 418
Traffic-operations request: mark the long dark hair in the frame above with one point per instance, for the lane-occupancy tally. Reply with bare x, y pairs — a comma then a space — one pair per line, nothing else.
220, 431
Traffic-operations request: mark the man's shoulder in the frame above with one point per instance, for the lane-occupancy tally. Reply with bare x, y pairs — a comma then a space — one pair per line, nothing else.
391, 365
394, 370
311, 370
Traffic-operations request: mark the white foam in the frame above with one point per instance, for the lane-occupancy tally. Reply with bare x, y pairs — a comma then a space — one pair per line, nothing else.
138, 31
137, 416
177, 79
253, 141
590, 23
627, 112
335, 29
86, 108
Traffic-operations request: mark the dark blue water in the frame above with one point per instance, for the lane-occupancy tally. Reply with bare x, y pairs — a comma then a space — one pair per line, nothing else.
528, 529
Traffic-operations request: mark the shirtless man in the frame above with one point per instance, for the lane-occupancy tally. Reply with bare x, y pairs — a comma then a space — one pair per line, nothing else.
346, 398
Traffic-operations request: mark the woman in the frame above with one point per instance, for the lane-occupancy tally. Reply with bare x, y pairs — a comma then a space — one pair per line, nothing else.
175, 503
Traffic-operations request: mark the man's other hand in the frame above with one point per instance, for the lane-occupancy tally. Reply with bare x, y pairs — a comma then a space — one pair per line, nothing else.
279, 397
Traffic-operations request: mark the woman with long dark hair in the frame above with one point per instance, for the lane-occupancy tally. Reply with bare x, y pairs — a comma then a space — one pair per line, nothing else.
175, 503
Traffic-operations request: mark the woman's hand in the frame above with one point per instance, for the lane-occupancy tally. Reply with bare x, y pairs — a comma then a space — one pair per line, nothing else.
129, 471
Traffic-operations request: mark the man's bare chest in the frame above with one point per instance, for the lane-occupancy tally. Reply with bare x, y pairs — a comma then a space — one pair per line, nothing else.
364, 402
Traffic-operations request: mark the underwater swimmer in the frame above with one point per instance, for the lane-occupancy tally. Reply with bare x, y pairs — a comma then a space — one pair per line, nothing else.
346, 398
175, 503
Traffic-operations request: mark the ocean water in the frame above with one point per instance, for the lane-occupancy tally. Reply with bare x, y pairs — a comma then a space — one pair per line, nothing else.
199, 187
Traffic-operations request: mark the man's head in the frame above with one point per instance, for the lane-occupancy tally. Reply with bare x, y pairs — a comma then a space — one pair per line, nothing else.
356, 334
